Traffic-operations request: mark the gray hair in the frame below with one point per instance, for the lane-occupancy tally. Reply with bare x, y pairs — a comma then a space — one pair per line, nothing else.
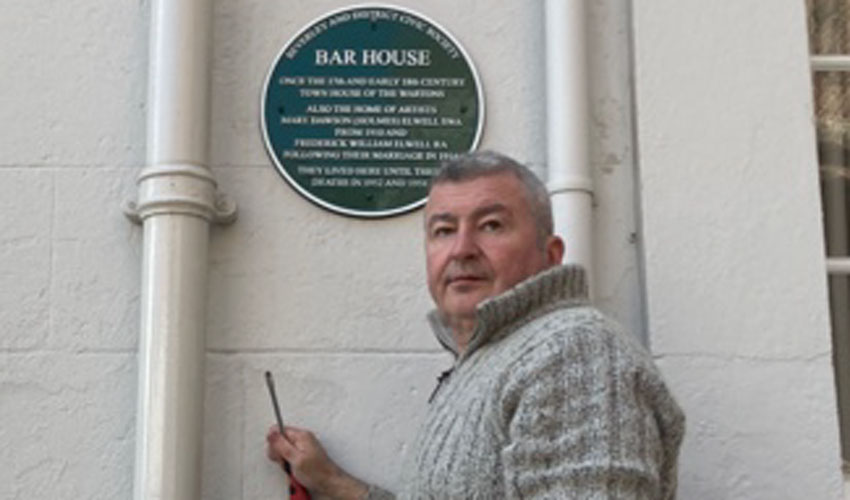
485, 163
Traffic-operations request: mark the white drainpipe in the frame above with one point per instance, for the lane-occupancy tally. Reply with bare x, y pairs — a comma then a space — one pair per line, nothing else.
177, 201
570, 182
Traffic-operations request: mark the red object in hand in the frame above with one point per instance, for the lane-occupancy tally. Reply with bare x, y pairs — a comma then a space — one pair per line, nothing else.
297, 491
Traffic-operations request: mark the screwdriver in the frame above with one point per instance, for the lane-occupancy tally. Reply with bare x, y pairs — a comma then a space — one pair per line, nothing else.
297, 491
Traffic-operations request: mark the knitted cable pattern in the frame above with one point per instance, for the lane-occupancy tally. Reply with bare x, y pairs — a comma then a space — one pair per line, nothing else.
551, 400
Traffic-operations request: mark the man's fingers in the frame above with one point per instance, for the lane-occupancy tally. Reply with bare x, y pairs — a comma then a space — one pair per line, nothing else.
299, 437
299, 447
273, 454
280, 445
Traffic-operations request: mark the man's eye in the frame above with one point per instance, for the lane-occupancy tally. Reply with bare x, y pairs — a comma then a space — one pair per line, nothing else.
491, 225
441, 231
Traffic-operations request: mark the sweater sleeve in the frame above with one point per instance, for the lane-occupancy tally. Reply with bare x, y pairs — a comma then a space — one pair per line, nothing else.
587, 416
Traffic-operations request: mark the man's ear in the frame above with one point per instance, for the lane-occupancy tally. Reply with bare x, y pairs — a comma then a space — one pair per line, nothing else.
554, 250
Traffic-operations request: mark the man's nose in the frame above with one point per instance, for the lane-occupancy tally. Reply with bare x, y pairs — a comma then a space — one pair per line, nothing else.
465, 244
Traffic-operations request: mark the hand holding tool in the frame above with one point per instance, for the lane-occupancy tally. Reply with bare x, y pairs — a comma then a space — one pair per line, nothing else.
297, 491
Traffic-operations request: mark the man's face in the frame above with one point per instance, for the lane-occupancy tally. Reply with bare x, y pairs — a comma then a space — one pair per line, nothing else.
480, 240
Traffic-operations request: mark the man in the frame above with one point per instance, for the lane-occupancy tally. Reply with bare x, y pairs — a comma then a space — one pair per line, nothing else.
546, 399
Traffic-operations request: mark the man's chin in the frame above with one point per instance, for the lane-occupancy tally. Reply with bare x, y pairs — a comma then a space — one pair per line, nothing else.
464, 305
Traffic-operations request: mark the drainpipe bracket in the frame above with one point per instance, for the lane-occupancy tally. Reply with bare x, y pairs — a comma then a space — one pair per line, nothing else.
131, 211
225, 209
179, 189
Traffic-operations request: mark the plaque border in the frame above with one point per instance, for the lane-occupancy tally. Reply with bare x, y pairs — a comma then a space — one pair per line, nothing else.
377, 214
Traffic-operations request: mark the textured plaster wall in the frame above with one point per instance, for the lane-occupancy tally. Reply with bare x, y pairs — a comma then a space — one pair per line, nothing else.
735, 274
730, 232
333, 305
72, 140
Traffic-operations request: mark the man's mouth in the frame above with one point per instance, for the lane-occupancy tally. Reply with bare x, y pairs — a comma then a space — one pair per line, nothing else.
464, 279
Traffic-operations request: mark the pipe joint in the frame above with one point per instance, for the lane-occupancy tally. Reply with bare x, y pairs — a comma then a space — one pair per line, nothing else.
570, 184
180, 189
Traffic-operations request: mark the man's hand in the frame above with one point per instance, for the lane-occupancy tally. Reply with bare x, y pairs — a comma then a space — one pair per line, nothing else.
311, 464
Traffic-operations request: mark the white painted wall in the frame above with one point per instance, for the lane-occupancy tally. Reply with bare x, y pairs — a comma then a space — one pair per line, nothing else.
323, 300
335, 305
71, 142
733, 251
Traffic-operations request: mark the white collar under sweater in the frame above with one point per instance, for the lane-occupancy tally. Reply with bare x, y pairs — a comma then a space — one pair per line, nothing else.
559, 286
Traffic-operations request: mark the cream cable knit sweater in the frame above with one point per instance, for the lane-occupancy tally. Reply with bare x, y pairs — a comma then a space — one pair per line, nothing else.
550, 400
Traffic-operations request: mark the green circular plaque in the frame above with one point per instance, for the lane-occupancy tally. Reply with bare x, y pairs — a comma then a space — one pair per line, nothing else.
361, 106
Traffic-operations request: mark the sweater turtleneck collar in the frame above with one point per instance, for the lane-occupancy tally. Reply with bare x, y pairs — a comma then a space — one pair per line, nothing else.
560, 286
